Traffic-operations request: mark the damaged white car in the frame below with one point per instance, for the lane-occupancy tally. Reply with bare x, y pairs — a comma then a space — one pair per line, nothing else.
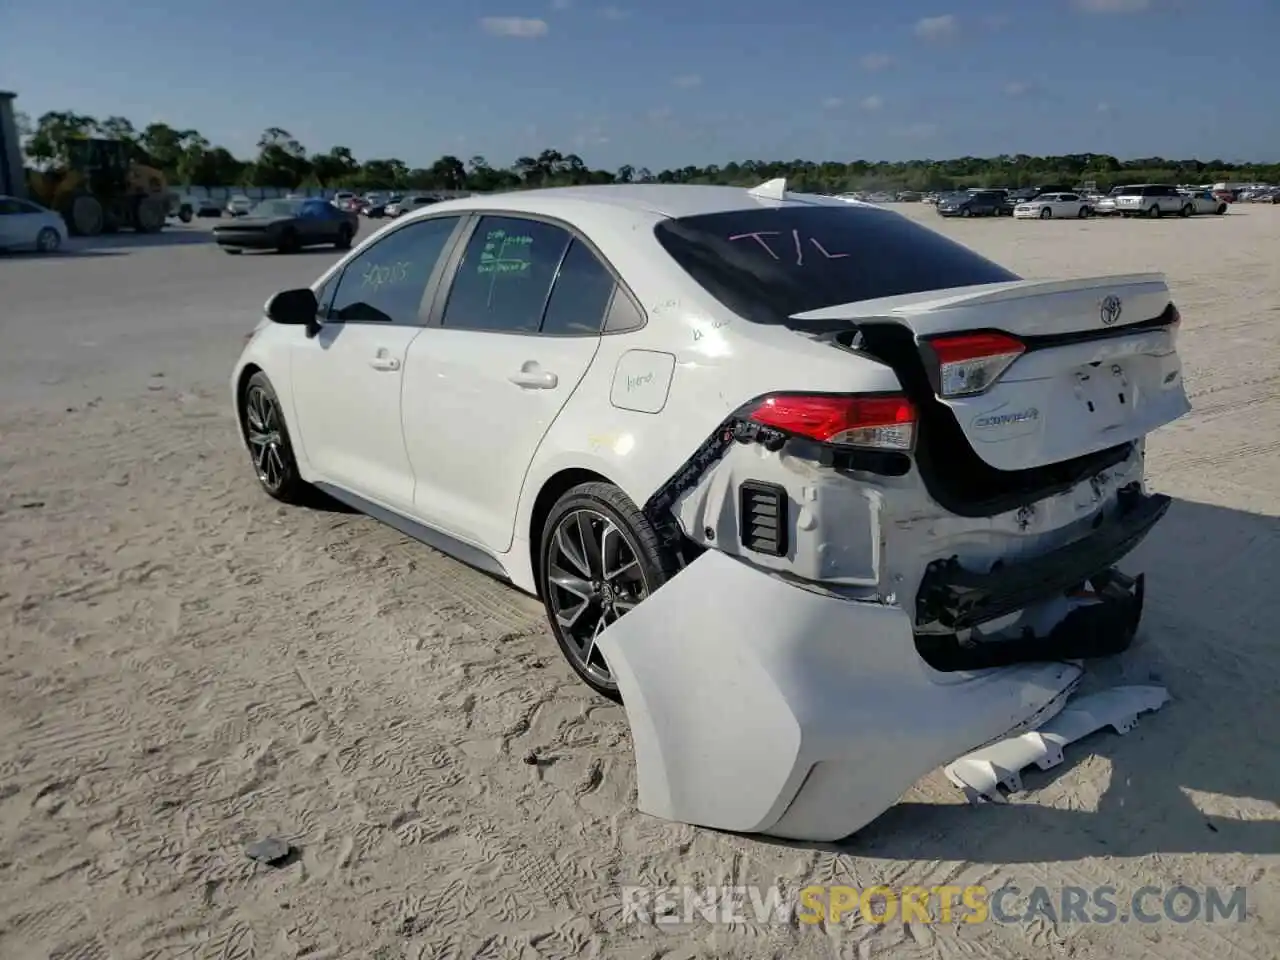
859, 492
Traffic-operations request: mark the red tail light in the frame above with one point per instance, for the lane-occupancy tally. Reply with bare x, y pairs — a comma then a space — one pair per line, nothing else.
878, 422
969, 363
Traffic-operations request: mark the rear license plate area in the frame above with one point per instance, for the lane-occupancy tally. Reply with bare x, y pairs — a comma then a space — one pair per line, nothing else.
1104, 394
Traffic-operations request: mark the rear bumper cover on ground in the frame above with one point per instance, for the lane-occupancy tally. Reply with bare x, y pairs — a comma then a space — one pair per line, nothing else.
774, 709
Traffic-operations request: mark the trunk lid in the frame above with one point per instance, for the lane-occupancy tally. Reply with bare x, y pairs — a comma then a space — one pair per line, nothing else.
1100, 366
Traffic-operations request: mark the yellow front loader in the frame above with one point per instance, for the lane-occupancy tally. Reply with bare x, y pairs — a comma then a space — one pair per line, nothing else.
104, 186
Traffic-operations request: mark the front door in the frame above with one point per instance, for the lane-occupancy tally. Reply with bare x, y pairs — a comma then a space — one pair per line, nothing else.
520, 326
347, 380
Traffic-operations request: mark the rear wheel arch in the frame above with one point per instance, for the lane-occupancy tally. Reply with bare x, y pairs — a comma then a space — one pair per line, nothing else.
555, 487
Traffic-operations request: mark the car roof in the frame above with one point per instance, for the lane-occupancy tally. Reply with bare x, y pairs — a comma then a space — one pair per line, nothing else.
671, 200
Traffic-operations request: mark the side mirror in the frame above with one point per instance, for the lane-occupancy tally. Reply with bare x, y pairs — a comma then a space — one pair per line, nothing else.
296, 308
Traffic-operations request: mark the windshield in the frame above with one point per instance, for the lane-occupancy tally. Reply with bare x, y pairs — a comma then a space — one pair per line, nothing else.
767, 264
278, 208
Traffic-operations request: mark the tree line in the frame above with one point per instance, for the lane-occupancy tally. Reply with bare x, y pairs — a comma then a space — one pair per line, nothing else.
187, 157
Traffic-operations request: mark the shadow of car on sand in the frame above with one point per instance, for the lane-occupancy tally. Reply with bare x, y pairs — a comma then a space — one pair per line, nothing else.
1201, 775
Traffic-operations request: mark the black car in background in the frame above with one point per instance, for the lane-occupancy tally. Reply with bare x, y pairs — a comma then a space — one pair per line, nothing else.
976, 203
288, 225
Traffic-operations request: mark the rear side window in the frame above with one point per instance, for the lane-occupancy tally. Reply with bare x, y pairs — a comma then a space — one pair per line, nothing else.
580, 296
505, 276
767, 264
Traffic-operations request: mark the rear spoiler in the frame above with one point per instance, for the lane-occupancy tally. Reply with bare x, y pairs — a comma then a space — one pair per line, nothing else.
919, 305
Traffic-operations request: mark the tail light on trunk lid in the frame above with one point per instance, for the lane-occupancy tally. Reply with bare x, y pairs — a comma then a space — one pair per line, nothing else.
967, 364
869, 421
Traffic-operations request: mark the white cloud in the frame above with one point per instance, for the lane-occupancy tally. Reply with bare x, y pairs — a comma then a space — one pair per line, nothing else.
873, 62
688, 81
833, 103
524, 27
1016, 88
614, 13
937, 28
873, 102
1112, 6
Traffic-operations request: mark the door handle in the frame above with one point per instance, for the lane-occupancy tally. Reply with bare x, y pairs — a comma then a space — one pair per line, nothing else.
535, 379
381, 361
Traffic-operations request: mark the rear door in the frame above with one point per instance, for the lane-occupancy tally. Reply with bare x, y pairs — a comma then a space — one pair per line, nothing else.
517, 329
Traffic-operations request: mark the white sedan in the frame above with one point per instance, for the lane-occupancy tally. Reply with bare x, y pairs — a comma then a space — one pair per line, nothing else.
736, 420
28, 226
1204, 202
1055, 206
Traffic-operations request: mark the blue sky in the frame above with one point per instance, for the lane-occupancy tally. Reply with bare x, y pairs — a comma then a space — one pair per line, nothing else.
669, 82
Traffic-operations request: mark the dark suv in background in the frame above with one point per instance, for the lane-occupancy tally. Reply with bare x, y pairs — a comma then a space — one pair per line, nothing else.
976, 203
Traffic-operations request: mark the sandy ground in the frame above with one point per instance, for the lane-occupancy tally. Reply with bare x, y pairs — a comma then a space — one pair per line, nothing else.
187, 666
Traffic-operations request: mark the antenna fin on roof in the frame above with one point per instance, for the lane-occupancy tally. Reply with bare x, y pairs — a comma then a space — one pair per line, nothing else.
771, 189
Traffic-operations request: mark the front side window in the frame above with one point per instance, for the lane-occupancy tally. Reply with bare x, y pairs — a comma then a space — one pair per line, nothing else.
768, 264
386, 282
505, 276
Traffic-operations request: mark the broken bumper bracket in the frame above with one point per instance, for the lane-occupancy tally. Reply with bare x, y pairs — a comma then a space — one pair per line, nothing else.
961, 599
1102, 628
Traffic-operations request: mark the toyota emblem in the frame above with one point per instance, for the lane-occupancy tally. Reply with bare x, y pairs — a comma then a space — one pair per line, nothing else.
1110, 311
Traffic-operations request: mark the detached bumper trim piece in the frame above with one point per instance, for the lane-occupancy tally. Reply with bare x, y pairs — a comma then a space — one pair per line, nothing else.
960, 599
983, 773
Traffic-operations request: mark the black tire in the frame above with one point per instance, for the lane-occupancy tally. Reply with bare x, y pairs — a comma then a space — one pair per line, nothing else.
48, 240
185, 214
653, 566
965, 212
1084, 213
266, 437
87, 216
1222, 208
1186, 211
1155, 213
1046, 213
344, 238
148, 215
288, 241
232, 250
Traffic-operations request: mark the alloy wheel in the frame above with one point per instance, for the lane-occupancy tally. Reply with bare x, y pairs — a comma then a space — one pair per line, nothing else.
593, 577
266, 439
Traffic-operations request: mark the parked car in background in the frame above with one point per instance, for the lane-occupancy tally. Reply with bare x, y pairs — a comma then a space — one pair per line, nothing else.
289, 225
1204, 202
1054, 206
415, 201
239, 205
1023, 194
1151, 200
28, 226
207, 207
393, 205
975, 203
342, 199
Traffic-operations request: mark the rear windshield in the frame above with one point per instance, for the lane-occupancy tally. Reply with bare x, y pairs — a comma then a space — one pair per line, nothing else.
767, 264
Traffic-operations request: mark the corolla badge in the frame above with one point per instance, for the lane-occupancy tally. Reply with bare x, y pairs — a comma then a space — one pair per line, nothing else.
1109, 312
991, 420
